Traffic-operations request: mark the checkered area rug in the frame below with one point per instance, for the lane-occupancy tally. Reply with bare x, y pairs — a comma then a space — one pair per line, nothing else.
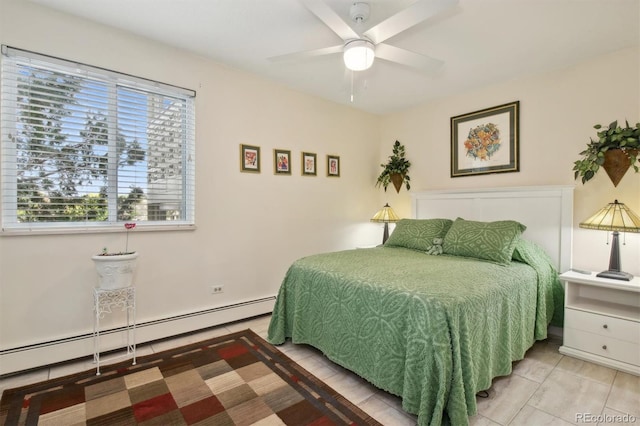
238, 379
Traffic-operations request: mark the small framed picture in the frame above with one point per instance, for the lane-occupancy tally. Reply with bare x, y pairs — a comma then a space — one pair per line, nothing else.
333, 166
249, 158
282, 162
309, 164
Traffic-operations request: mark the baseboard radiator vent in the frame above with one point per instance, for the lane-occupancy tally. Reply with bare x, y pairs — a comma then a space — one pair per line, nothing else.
56, 351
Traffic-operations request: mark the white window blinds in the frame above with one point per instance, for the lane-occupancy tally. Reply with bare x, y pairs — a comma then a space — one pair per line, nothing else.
88, 147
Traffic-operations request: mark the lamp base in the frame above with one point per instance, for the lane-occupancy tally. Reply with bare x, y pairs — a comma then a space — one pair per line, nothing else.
616, 275
385, 234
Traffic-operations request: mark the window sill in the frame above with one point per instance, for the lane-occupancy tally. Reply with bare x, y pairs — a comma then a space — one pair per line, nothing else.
94, 229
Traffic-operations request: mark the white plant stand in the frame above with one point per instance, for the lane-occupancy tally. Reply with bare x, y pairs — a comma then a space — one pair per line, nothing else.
104, 301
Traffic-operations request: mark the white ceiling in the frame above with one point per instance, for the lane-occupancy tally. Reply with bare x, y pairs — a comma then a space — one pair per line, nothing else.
480, 41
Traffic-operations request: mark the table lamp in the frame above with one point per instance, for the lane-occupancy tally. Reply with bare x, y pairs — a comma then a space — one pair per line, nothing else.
614, 217
385, 215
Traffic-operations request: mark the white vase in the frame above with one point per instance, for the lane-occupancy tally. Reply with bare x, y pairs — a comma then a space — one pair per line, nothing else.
115, 271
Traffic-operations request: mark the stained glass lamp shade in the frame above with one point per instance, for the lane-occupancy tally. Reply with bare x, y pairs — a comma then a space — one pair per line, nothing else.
618, 218
385, 215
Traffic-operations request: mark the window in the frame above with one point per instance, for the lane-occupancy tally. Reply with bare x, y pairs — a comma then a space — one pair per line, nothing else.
84, 147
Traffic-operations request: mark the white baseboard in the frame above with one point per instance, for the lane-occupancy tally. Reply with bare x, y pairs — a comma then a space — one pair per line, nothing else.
55, 351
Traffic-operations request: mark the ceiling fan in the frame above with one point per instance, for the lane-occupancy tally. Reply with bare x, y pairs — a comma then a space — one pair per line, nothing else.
359, 51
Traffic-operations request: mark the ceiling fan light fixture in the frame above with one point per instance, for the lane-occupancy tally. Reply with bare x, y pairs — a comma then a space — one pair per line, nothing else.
359, 55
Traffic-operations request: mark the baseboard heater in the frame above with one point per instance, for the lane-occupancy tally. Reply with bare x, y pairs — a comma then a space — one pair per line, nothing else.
28, 357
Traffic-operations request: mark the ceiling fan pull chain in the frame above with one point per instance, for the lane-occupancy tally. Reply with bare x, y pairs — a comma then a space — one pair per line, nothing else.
352, 85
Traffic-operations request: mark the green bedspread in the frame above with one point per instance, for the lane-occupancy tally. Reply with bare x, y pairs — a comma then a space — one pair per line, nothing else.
433, 330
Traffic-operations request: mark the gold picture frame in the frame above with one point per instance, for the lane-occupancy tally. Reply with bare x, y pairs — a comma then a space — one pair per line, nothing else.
333, 166
486, 141
309, 161
281, 162
249, 158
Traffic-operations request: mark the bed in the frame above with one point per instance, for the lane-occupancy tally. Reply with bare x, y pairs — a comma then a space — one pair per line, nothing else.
436, 329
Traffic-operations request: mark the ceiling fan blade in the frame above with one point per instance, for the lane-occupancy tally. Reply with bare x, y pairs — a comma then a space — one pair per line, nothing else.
408, 58
407, 18
331, 19
307, 54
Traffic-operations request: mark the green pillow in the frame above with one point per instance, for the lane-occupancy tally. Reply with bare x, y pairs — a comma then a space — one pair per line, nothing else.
418, 234
492, 241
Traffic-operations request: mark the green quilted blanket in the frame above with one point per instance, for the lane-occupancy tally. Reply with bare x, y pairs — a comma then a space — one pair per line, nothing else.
433, 330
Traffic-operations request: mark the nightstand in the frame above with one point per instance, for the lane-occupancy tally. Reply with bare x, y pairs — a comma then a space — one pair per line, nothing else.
602, 320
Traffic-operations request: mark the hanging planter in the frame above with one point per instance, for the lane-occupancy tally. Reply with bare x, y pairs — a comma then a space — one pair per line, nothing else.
617, 162
397, 179
396, 170
615, 150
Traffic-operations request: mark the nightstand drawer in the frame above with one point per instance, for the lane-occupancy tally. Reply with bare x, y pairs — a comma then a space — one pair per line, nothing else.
602, 345
603, 325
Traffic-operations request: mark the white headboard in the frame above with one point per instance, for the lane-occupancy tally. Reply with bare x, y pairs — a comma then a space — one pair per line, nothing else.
547, 211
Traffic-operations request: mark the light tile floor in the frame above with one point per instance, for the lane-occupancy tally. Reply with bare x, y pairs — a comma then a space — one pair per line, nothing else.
545, 388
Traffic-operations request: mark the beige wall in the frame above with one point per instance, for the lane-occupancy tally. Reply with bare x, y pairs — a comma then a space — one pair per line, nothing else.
557, 114
251, 227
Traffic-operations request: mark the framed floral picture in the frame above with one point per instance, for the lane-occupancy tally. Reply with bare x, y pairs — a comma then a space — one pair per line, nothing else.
486, 141
309, 164
282, 162
249, 158
333, 166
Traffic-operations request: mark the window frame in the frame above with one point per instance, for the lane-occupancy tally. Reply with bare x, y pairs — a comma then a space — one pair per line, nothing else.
10, 224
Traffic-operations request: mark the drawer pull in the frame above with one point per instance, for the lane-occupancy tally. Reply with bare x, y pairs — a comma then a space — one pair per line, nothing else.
604, 347
605, 326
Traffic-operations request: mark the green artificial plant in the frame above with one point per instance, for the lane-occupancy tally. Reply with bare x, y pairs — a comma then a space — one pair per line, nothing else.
613, 137
396, 168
